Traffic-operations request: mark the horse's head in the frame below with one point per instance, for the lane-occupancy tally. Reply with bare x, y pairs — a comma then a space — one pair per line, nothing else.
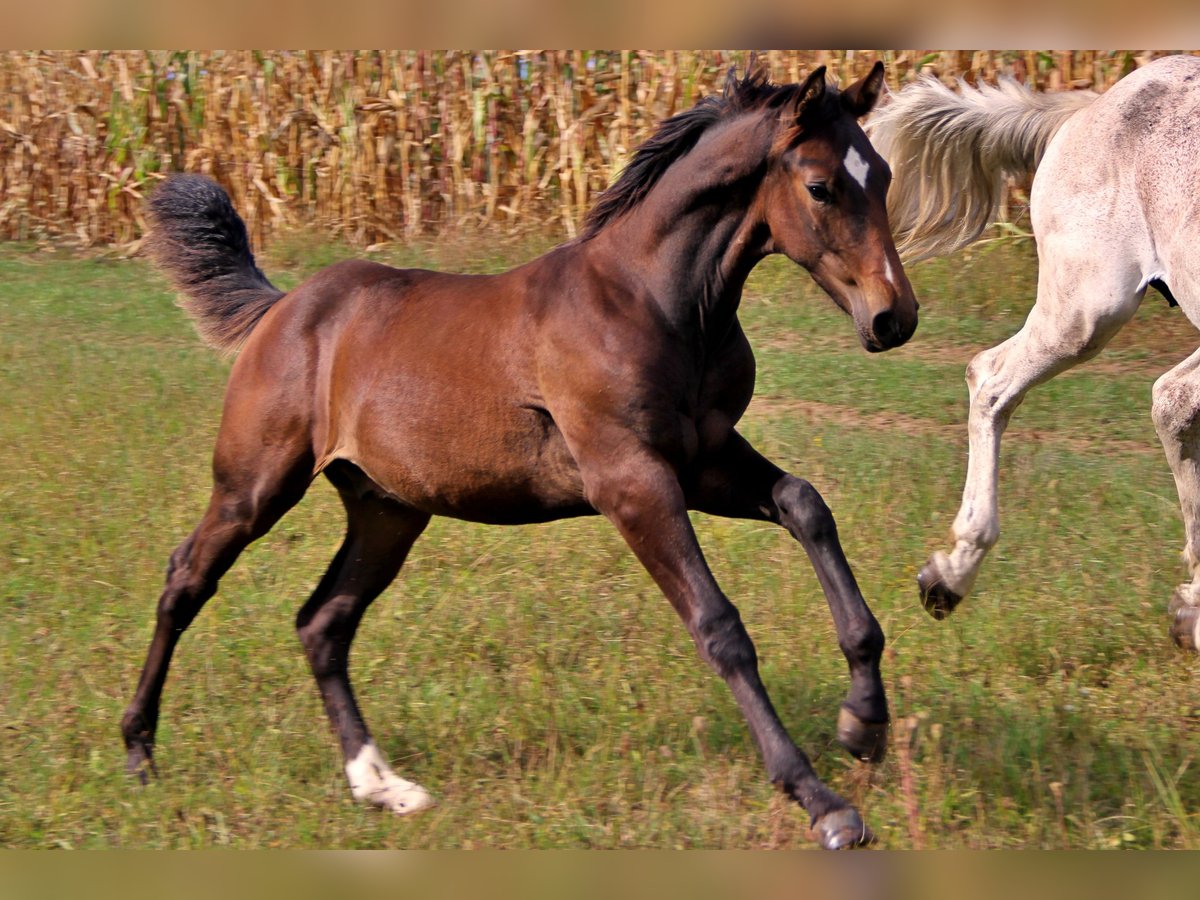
825, 205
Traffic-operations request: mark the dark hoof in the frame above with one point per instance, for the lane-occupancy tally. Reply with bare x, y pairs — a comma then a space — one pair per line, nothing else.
139, 745
142, 769
939, 601
140, 764
842, 829
863, 740
1183, 628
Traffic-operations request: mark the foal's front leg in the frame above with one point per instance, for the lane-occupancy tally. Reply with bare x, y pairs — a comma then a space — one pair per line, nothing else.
738, 482
643, 498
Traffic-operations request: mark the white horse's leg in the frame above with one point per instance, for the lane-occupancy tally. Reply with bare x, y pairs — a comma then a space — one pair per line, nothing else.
1081, 304
1176, 411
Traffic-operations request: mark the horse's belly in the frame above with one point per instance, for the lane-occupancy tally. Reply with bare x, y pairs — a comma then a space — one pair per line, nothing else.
501, 465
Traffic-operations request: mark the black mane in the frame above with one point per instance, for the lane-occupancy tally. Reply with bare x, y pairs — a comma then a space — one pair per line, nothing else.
678, 134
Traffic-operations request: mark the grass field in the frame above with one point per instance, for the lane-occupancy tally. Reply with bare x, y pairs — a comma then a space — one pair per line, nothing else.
533, 678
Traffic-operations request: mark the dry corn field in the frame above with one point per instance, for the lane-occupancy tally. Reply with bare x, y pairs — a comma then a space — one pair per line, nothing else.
378, 146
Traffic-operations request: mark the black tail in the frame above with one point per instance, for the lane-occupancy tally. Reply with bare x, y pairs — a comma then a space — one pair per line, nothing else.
200, 241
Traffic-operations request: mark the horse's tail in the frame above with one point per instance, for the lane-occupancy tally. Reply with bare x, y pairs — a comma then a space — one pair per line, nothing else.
949, 152
200, 241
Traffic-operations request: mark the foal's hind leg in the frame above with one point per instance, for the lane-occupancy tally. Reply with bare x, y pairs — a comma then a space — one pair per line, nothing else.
1081, 304
245, 504
1176, 412
642, 496
739, 483
378, 537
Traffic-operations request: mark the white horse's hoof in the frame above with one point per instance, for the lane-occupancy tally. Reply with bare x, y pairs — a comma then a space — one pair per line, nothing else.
939, 601
1185, 627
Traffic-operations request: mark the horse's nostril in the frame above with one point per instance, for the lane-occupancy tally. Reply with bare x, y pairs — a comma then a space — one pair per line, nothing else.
886, 328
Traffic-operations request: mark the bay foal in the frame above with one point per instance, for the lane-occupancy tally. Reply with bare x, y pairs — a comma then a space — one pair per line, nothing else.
606, 376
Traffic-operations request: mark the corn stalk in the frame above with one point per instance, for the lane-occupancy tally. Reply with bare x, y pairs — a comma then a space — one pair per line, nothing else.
376, 146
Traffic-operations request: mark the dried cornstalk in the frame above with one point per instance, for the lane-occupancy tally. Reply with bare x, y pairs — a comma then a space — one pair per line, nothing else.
374, 146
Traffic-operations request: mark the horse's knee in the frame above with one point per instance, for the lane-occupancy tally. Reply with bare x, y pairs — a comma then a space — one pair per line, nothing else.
1174, 406
978, 369
862, 641
186, 589
324, 654
181, 602
988, 395
804, 512
993, 394
724, 643
179, 557
196, 565
326, 639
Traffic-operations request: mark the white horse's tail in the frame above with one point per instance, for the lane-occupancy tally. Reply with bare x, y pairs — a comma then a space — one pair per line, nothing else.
950, 151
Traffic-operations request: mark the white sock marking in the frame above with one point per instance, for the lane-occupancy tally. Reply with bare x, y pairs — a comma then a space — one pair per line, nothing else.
372, 779
857, 167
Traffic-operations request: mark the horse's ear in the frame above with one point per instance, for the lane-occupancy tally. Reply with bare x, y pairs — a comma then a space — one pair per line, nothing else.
804, 106
731, 83
753, 64
860, 98
811, 92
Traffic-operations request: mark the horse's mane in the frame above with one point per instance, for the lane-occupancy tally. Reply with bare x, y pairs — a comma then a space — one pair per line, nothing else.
678, 134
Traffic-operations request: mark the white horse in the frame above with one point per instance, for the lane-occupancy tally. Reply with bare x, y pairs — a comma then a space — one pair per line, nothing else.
1115, 207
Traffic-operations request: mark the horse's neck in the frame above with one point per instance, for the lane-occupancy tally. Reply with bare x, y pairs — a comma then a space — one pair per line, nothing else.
693, 240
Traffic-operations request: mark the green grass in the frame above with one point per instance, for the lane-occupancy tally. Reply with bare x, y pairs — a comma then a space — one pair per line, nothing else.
533, 678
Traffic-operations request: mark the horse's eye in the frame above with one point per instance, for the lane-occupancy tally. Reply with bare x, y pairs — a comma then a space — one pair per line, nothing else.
820, 193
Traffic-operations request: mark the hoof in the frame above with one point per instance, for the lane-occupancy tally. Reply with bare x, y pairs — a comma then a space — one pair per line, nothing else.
372, 781
863, 740
1186, 624
402, 798
139, 748
139, 763
842, 829
939, 601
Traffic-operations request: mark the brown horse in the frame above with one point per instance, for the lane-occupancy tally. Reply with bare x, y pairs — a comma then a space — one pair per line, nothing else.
604, 377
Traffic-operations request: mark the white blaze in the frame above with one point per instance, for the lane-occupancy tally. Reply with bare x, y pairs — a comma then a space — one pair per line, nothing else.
857, 167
